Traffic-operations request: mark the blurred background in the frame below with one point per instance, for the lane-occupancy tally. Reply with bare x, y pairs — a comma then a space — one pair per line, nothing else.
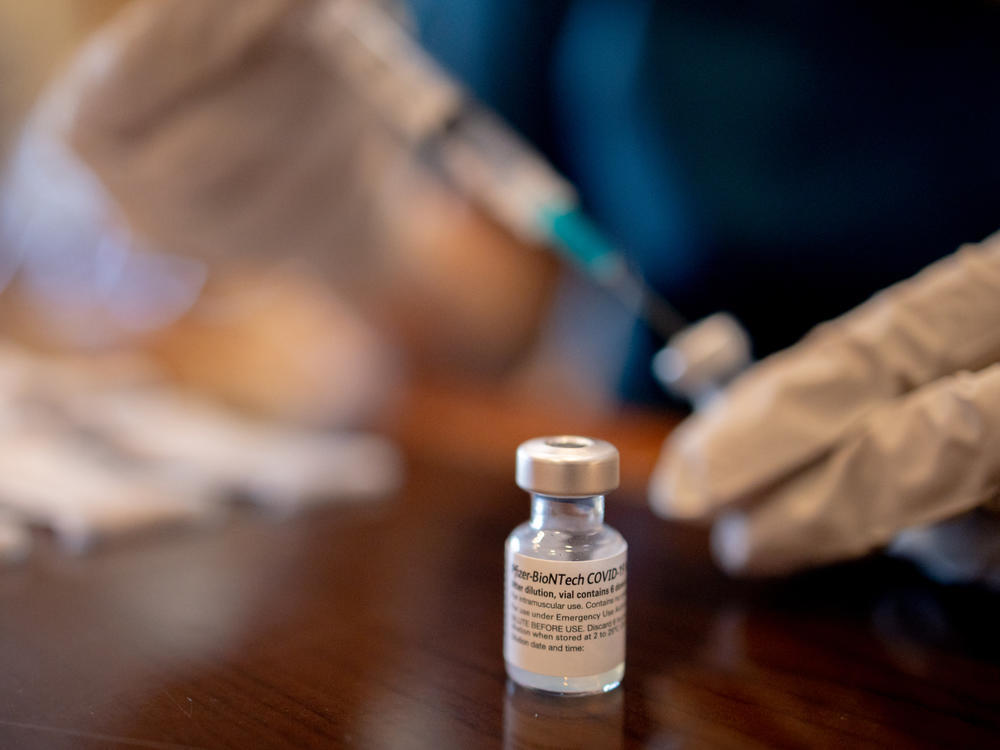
220, 263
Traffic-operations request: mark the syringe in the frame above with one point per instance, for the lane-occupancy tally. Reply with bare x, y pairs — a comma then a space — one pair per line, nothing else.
477, 152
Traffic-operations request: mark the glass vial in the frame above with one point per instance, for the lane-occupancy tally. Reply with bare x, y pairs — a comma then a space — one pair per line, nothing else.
565, 571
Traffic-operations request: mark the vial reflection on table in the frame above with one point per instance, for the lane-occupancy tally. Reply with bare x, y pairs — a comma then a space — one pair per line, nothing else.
536, 720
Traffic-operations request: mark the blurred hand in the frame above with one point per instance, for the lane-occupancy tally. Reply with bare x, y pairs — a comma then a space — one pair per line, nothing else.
217, 130
884, 420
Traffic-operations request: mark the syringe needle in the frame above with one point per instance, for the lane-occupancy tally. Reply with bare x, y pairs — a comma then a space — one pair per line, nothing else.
576, 238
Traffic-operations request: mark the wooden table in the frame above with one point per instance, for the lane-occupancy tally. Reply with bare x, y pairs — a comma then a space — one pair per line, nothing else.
379, 626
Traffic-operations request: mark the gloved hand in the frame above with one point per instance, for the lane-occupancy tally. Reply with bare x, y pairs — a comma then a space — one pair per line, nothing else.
190, 137
219, 130
229, 129
884, 420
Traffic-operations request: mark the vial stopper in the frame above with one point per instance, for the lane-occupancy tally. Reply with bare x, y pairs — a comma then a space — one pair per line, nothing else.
567, 466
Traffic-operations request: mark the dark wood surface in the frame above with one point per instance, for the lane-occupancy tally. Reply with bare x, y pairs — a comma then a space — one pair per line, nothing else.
379, 626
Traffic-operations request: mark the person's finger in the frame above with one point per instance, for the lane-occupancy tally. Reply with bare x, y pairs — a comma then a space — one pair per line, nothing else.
793, 407
925, 457
154, 54
786, 411
251, 147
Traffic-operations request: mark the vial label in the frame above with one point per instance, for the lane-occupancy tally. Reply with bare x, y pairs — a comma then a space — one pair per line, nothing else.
565, 619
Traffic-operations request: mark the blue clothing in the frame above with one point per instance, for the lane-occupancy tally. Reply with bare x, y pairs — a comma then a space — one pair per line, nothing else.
780, 160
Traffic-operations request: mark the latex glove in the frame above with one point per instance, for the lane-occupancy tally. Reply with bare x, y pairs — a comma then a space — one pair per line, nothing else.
885, 419
228, 128
219, 129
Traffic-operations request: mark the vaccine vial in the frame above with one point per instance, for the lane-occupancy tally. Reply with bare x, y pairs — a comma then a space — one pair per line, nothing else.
565, 571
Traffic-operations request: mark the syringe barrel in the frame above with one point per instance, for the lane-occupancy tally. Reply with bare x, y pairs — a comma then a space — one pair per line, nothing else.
428, 109
491, 163
385, 67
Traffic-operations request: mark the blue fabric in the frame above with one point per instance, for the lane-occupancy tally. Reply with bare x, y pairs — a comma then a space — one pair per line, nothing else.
781, 160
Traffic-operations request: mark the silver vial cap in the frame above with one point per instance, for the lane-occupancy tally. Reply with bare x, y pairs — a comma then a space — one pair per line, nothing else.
567, 466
